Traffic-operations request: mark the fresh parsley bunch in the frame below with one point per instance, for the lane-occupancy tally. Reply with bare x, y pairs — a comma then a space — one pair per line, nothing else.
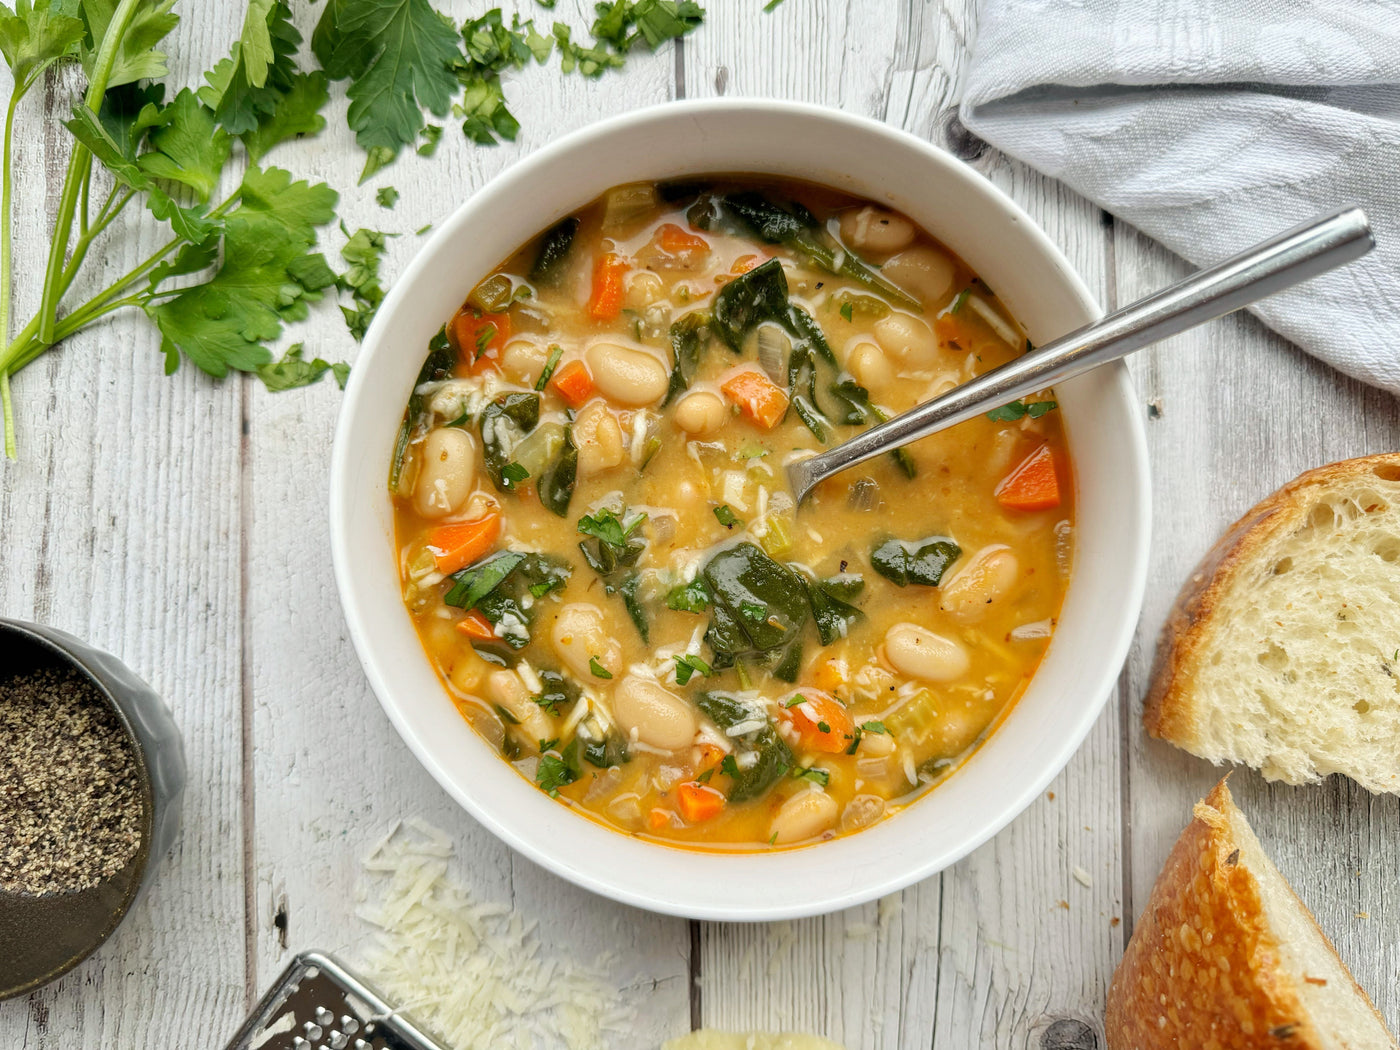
232, 272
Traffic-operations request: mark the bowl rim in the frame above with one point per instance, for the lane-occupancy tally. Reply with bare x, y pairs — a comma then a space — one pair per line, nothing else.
1115, 645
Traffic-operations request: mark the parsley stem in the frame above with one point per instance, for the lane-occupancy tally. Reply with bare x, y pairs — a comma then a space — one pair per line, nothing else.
80, 169
6, 407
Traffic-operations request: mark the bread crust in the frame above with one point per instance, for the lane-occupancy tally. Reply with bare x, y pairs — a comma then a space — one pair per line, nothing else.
1203, 969
1169, 710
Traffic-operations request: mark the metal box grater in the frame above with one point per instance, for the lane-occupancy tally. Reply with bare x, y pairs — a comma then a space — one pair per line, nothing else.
319, 1005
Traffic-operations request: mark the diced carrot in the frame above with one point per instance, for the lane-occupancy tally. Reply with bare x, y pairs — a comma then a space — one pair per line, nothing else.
606, 301
480, 339
822, 723
675, 241
457, 546
950, 331
745, 263
1033, 485
757, 396
573, 383
710, 755
698, 802
658, 819
475, 625
831, 674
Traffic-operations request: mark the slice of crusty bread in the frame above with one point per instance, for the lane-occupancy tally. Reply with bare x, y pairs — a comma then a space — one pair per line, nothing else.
1283, 650
1226, 957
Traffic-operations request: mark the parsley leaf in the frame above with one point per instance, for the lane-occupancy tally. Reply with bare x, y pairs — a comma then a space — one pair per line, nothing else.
598, 670
847, 310
387, 196
694, 597
399, 57
1018, 409
189, 147
268, 273
817, 776
364, 251
514, 474
249, 86
555, 353
431, 135
136, 54
726, 517
687, 665
34, 37
293, 370
553, 773
607, 527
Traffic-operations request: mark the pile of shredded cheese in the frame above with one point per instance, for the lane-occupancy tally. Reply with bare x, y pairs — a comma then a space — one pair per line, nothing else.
467, 971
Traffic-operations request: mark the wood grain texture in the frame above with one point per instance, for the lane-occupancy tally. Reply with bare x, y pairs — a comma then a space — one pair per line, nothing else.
181, 524
1242, 412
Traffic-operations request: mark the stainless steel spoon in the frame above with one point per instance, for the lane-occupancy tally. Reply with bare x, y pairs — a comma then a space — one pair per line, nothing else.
1303, 252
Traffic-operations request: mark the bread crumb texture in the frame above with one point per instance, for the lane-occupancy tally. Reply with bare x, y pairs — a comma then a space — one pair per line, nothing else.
1205, 968
1283, 650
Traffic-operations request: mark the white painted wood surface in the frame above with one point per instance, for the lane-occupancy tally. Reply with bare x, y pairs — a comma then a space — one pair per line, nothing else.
181, 524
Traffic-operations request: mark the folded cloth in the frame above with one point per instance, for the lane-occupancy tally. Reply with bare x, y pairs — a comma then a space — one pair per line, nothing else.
1211, 125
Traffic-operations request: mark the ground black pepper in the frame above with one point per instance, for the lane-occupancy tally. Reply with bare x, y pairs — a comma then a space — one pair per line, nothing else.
70, 796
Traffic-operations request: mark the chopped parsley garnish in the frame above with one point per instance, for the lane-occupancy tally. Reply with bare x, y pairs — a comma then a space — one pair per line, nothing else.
606, 527
513, 474
958, 302
817, 776
728, 766
847, 309
704, 778
823, 727
1018, 409
555, 353
423, 229
874, 727
694, 597
726, 517
798, 699
753, 611
599, 671
484, 337
552, 774
687, 665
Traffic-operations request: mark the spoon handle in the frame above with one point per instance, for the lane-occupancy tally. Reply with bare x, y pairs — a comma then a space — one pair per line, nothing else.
1302, 252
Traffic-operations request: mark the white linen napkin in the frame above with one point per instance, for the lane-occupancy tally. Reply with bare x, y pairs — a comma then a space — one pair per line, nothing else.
1211, 125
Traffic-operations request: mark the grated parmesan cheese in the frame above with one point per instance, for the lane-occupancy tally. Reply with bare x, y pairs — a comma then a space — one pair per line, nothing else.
468, 970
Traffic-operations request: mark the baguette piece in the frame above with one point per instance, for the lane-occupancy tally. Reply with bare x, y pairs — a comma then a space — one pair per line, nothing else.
1226, 957
1283, 650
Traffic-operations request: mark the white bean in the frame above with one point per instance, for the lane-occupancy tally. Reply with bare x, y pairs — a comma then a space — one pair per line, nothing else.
658, 717
643, 289
700, 413
803, 816
861, 812
989, 575
445, 479
598, 436
875, 230
523, 360
630, 377
917, 652
506, 688
579, 635
872, 369
907, 339
924, 272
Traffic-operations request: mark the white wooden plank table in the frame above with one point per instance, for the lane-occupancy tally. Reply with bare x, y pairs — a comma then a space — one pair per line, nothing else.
182, 525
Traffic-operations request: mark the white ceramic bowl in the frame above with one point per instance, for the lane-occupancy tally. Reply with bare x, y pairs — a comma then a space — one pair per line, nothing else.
1001, 244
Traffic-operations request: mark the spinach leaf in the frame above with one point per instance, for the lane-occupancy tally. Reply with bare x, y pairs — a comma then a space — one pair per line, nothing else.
556, 484
797, 228
774, 757
749, 300
635, 609
503, 423
602, 748
614, 544
553, 250
498, 586
688, 338
833, 615
860, 409
924, 564
759, 609
556, 692
437, 367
